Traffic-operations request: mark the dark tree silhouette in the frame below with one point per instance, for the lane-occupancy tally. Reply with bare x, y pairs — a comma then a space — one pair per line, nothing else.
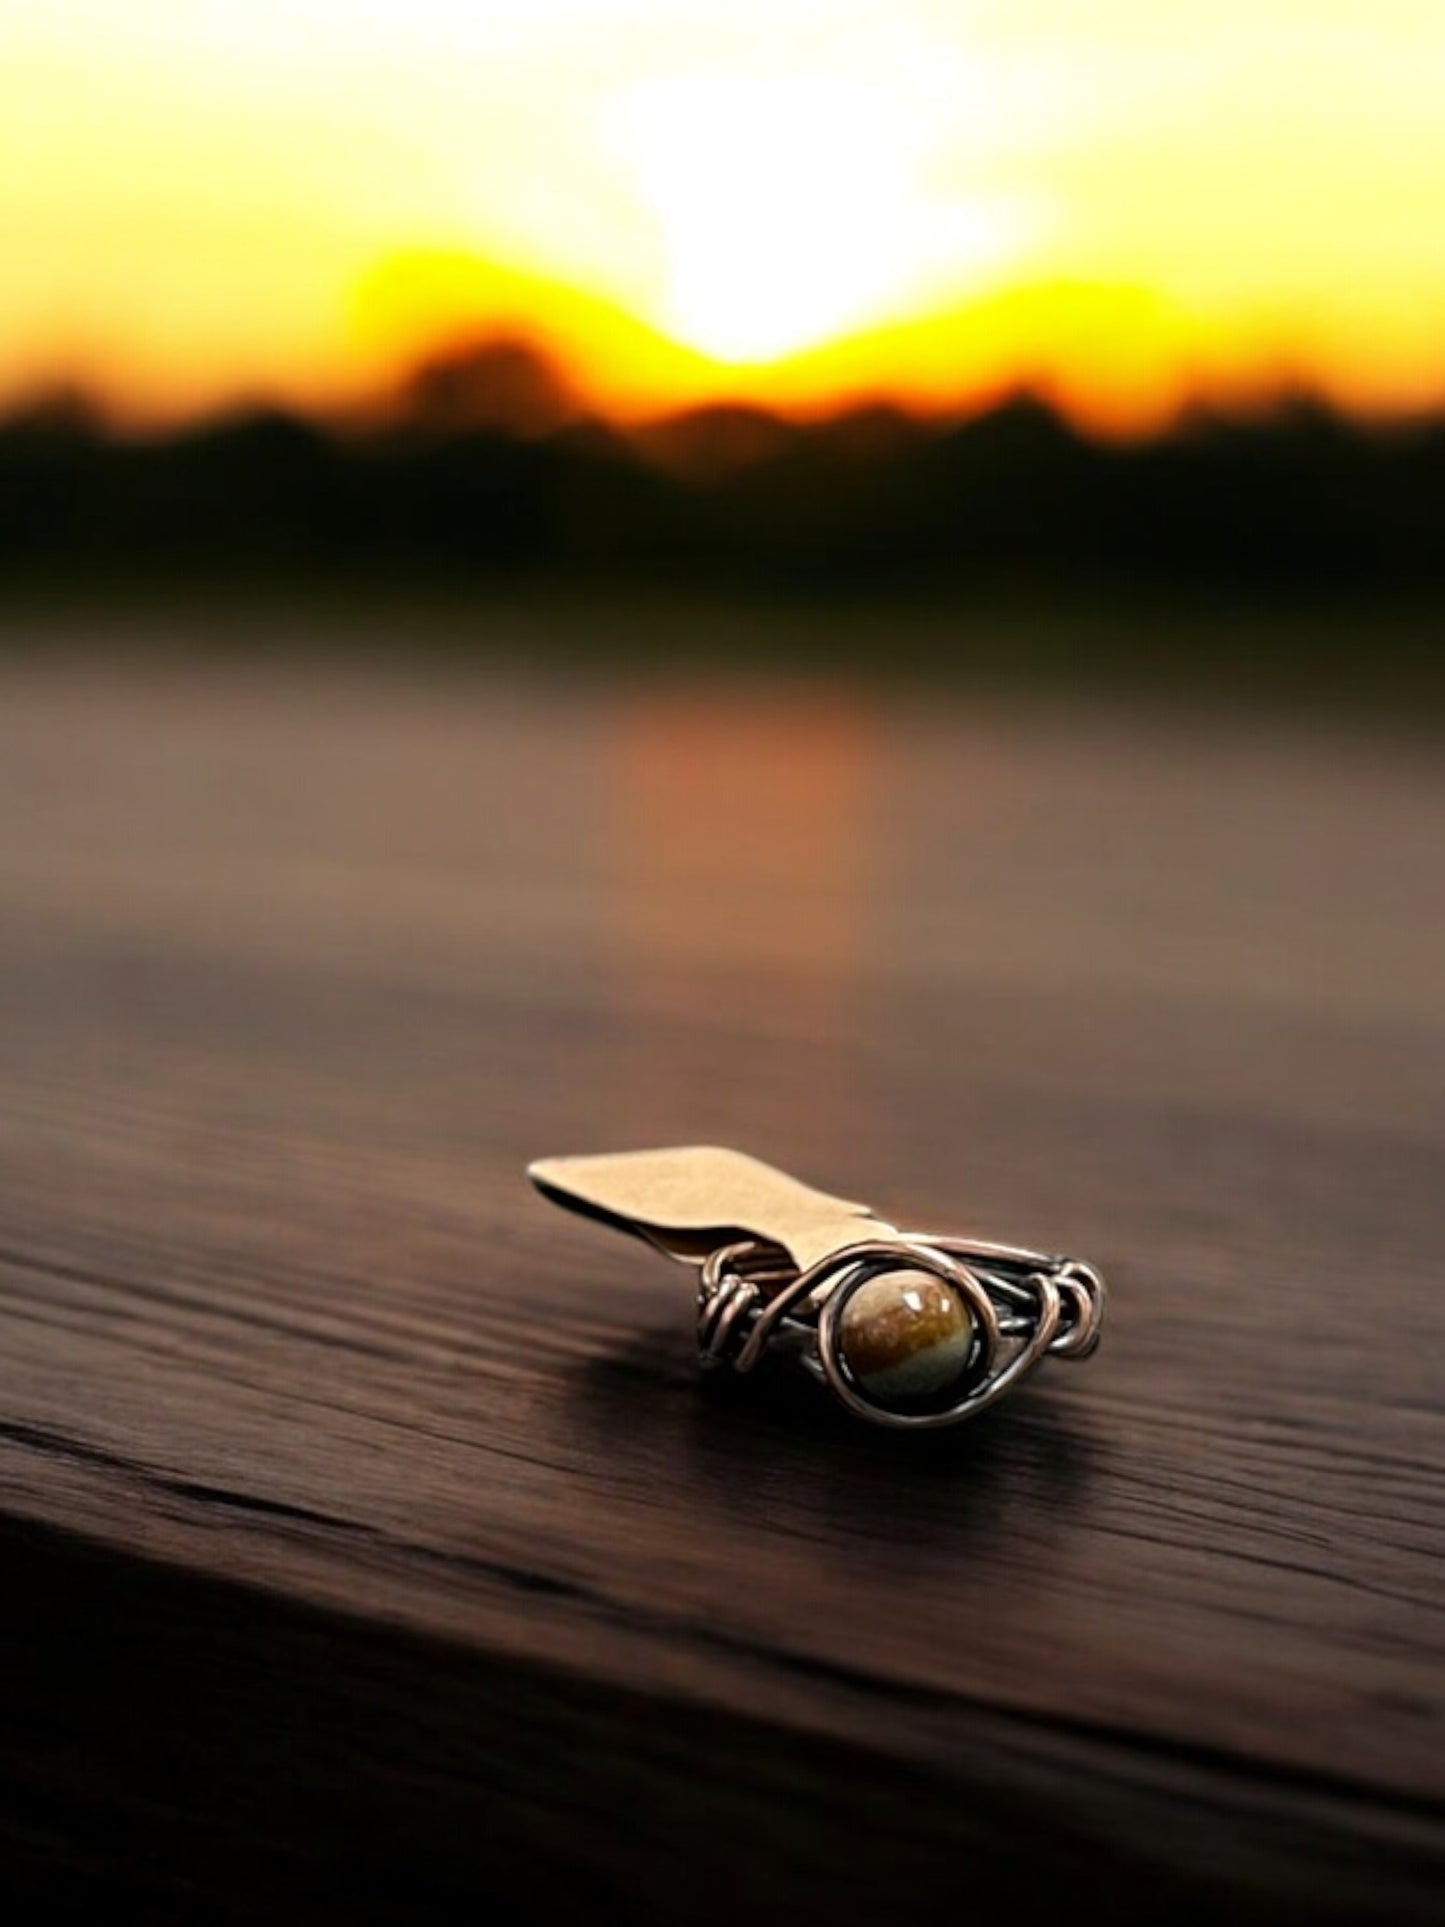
485, 464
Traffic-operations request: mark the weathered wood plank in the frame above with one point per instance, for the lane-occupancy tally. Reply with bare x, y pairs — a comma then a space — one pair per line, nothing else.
296, 973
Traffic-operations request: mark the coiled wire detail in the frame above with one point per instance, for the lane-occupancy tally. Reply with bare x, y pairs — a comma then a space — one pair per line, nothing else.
1025, 1306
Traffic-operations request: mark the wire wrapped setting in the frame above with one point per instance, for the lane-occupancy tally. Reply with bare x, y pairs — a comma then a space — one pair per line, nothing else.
1025, 1306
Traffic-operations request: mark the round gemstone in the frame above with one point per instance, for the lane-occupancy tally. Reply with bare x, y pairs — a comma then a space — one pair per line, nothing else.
905, 1334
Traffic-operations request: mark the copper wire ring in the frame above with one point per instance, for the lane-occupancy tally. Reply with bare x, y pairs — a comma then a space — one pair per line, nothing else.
1025, 1306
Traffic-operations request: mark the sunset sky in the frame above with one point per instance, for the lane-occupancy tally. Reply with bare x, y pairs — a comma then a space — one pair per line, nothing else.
798, 200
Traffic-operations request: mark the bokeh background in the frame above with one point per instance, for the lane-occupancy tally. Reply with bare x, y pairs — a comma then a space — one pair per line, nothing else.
1058, 341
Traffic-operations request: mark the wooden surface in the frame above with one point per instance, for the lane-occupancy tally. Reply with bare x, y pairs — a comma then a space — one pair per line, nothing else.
366, 1529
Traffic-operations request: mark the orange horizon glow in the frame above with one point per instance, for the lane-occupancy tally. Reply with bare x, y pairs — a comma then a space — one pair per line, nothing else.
787, 202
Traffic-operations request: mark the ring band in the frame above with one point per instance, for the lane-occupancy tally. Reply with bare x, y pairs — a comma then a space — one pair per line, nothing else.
1025, 1307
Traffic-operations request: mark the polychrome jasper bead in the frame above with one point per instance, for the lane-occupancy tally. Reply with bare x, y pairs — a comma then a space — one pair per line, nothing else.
905, 1335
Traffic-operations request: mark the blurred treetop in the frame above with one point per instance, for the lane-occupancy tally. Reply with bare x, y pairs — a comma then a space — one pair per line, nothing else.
483, 464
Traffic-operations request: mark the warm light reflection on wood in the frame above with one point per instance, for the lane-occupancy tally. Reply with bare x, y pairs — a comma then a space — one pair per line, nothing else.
743, 878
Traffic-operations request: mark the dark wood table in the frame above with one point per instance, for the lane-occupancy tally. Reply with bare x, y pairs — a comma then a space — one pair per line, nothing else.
369, 1540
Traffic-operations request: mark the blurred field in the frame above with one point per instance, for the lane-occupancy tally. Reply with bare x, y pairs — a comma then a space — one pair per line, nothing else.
1375, 666
1290, 554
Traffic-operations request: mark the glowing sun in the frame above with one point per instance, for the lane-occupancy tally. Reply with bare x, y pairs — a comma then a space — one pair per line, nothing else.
786, 212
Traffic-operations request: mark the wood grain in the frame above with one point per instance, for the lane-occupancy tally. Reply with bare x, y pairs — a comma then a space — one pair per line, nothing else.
299, 1383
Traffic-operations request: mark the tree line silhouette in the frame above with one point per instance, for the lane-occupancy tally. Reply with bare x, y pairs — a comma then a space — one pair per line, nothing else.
483, 466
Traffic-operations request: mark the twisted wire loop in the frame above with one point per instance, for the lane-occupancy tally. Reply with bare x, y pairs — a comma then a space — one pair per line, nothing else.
1026, 1306
734, 1285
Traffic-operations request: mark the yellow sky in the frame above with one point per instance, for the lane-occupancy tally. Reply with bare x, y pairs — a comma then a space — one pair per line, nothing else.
785, 198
